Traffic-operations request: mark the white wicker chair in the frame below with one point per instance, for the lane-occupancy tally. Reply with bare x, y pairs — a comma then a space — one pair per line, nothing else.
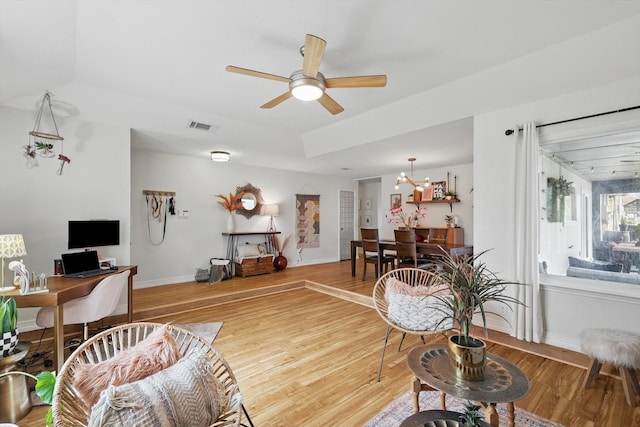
413, 277
68, 410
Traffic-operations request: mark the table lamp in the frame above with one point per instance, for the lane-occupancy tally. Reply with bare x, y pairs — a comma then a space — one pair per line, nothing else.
11, 246
271, 210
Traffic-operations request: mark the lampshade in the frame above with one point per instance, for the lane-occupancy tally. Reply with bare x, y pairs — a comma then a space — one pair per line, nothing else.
12, 246
220, 156
271, 210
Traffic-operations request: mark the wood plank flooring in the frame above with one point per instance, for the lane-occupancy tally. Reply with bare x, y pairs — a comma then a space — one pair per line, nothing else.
308, 353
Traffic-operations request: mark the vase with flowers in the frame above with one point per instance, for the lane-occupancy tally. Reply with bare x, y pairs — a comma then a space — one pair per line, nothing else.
406, 219
230, 204
280, 261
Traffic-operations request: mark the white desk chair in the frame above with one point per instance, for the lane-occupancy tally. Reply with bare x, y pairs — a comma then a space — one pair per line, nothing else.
100, 303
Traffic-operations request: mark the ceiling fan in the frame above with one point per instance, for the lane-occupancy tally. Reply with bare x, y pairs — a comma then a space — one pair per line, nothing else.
309, 84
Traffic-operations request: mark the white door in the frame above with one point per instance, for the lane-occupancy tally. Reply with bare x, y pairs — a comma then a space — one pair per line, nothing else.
346, 223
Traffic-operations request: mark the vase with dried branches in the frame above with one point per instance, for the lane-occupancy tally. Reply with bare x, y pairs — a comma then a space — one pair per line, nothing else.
229, 203
280, 261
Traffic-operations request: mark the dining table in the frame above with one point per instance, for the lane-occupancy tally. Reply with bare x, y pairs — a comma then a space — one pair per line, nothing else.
424, 248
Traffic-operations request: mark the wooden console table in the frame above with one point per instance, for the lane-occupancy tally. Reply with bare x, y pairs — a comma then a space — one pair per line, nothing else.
232, 244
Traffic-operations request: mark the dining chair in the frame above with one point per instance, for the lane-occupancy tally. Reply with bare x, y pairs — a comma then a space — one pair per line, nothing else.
407, 252
438, 235
371, 252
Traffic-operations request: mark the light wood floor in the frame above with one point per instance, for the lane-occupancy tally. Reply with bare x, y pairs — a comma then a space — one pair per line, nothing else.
307, 353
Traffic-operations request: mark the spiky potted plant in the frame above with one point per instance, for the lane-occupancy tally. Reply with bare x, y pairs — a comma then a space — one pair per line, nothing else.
45, 381
8, 325
471, 286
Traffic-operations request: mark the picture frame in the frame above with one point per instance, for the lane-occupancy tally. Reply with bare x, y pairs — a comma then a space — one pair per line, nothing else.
395, 201
427, 194
368, 220
368, 204
439, 188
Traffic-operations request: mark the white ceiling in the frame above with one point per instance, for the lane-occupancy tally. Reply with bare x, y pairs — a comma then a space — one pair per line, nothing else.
155, 66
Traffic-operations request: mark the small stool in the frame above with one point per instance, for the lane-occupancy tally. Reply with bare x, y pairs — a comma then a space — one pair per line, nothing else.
618, 348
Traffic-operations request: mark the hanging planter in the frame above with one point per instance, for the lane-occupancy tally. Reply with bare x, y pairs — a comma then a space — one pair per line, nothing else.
558, 189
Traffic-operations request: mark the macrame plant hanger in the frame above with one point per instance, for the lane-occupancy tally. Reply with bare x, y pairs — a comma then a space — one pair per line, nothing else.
157, 206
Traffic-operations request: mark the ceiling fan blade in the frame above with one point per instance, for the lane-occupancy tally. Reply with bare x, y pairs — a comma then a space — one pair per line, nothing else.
357, 81
332, 106
253, 73
276, 101
313, 52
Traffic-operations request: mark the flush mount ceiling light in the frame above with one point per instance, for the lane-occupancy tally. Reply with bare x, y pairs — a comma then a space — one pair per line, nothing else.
220, 156
404, 179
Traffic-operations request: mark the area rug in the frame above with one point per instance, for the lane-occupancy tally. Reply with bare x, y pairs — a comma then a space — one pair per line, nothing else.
207, 330
402, 408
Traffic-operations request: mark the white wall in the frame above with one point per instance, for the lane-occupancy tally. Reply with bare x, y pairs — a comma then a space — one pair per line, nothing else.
37, 203
190, 242
570, 305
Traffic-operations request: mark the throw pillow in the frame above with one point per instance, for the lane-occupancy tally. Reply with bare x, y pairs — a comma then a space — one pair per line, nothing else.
248, 250
157, 351
185, 394
416, 308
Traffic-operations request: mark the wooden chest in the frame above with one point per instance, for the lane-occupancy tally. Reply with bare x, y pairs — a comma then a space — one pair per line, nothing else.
251, 266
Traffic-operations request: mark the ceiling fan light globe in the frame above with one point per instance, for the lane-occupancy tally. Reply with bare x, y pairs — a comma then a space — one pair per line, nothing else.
306, 88
306, 92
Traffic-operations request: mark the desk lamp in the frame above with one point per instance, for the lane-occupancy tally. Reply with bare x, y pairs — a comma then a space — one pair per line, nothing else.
11, 246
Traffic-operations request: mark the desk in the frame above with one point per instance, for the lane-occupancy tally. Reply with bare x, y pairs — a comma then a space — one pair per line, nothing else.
63, 289
503, 381
424, 248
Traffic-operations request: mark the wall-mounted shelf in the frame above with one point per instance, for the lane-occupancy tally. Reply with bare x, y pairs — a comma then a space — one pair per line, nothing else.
450, 202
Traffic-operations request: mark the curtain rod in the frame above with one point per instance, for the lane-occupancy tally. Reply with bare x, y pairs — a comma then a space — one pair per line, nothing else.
510, 131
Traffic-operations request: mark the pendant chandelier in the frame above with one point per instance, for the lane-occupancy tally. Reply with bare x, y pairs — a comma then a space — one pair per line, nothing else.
404, 179
42, 143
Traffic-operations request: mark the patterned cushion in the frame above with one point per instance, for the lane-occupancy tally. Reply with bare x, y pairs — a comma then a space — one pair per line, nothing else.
185, 394
417, 313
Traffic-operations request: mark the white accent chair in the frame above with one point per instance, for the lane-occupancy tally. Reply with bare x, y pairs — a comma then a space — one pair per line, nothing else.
101, 302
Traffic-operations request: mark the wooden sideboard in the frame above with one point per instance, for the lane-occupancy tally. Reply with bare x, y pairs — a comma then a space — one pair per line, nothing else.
455, 235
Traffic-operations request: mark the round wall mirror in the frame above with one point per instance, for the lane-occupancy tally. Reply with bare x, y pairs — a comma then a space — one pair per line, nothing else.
250, 200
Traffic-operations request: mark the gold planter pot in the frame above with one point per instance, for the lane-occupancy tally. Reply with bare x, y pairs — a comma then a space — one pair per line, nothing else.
467, 361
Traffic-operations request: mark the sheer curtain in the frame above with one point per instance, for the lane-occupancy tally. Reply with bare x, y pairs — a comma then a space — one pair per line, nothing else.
528, 317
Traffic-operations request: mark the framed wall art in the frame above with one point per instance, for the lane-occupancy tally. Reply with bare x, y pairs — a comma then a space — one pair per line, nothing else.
439, 188
395, 201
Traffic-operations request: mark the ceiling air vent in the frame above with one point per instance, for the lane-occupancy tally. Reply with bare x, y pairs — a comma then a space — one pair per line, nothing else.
202, 126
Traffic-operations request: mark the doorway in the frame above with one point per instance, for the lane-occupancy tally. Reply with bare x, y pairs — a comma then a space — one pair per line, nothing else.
347, 213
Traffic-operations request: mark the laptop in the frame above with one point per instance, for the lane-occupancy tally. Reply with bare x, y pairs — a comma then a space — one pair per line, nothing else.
82, 264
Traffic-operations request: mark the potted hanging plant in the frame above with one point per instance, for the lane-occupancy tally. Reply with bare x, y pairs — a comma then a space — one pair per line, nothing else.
8, 325
280, 261
471, 285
